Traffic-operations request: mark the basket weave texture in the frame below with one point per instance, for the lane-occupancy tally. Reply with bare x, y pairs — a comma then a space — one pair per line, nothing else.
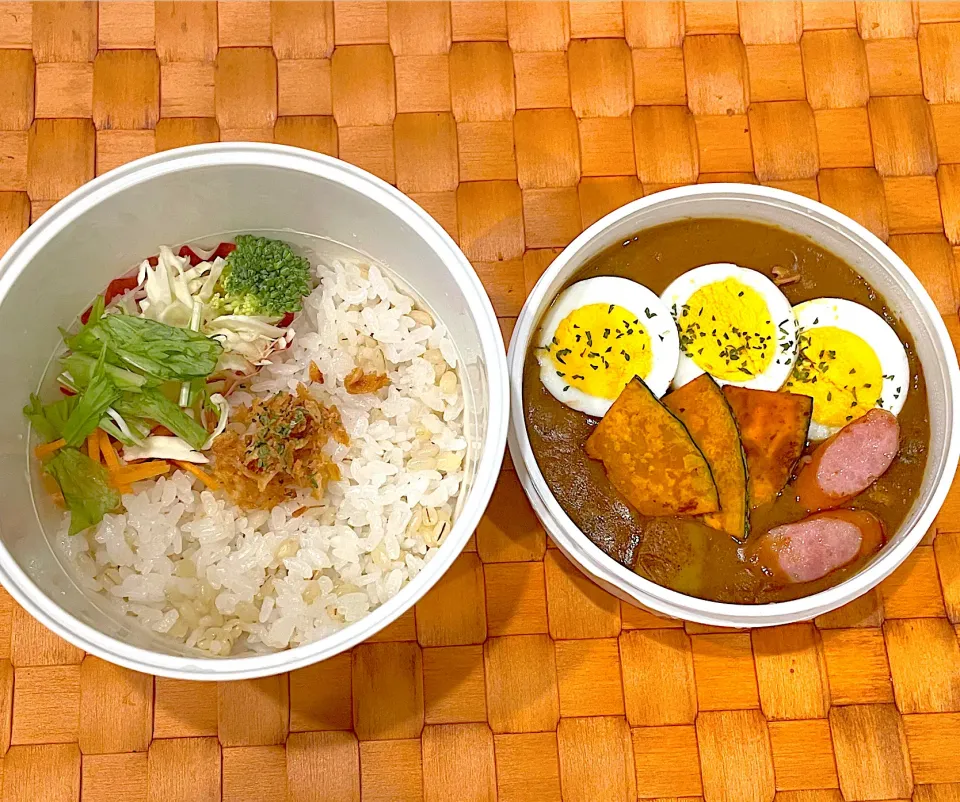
516, 125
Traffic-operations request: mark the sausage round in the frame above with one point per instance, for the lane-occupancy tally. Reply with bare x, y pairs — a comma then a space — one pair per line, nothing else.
812, 548
849, 462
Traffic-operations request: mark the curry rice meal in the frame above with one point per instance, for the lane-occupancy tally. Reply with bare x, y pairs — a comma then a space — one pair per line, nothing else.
251, 450
728, 409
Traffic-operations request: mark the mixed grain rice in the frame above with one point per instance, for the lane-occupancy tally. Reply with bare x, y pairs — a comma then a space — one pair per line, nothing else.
189, 563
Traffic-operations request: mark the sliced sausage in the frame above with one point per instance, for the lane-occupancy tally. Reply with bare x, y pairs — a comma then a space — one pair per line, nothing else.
849, 462
812, 548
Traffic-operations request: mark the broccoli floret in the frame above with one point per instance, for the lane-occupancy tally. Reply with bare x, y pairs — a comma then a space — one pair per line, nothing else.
263, 277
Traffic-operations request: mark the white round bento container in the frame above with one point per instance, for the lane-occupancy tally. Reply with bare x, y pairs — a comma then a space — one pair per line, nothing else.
70, 254
875, 262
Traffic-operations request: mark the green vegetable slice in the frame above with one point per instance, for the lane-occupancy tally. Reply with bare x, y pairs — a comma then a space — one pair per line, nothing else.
85, 339
86, 415
36, 413
155, 406
159, 350
85, 485
111, 428
153, 348
81, 368
50, 420
95, 400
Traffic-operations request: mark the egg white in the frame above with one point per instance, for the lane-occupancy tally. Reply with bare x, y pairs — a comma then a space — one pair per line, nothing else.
872, 329
784, 322
664, 341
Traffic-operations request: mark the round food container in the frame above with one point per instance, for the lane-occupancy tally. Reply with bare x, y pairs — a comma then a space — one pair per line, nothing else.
833, 231
194, 194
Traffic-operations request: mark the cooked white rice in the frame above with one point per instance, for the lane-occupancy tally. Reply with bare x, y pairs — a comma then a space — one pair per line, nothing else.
189, 563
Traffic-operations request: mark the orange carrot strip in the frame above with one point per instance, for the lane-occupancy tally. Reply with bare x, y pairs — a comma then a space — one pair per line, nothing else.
48, 448
139, 472
51, 486
124, 489
109, 452
201, 474
93, 445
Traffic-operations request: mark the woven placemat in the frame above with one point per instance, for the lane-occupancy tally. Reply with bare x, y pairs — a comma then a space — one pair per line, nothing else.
515, 125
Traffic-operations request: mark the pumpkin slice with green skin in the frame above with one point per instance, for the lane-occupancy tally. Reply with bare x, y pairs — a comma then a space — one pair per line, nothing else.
704, 410
650, 457
773, 427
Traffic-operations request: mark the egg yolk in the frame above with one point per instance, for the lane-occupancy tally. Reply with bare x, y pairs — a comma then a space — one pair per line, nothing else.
840, 371
725, 328
598, 348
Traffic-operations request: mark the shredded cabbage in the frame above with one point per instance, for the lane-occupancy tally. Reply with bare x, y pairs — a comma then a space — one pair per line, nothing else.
164, 447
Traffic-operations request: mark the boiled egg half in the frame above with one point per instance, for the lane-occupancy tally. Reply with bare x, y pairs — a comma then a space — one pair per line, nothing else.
849, 361
598, 335
734, 324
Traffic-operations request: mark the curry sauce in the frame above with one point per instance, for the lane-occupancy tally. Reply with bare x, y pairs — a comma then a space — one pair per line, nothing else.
683, 553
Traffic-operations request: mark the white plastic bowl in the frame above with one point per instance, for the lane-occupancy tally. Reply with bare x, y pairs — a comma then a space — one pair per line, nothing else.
196, 193
876, 263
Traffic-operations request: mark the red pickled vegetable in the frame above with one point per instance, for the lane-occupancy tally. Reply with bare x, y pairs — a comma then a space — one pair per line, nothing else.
187, 251
224, 249
120, 286
117, 287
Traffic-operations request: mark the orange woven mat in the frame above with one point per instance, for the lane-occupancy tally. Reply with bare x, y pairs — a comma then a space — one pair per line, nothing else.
515, 125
